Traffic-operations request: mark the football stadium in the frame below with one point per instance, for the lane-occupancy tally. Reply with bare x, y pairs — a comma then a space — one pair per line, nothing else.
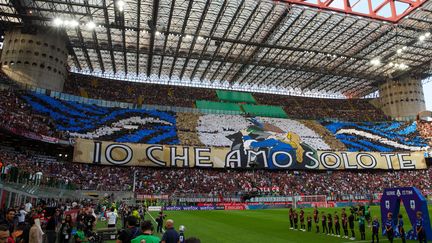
215, 121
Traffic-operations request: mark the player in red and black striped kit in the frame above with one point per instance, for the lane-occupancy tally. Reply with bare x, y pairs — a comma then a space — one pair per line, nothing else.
324, 223
330, 224
309, 223
337, 225
302, 220
316, 218
291, 218
344, 223
296, 219
351, 224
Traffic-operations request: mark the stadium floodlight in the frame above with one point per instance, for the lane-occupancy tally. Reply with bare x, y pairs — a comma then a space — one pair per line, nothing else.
375, 62
403, 66
120, 5
73, 23
57, 22
91, 25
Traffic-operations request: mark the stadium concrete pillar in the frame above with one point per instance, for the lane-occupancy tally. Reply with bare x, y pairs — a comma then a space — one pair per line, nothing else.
402, 99
35, 57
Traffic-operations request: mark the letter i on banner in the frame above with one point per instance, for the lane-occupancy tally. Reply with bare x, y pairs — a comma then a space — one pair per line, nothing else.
97, 153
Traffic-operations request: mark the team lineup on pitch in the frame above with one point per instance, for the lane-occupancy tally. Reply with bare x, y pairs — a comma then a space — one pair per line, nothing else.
270, 225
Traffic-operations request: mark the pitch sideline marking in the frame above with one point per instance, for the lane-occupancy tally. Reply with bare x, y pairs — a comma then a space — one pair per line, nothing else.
163, 231
362, 241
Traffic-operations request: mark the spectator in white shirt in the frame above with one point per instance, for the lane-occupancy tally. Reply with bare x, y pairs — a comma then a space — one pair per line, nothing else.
38, 177
22, 215
112, 218
27, 207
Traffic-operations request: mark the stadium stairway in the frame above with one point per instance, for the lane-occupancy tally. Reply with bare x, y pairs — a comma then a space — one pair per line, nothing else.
326, 135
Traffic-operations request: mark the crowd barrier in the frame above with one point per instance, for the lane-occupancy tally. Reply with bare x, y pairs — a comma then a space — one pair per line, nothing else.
107, 234
193, 208
264, 205
154, 208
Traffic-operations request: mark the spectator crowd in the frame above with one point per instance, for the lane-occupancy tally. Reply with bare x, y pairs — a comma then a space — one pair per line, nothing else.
425, 128
320, 108
28, 168
66, 221
157, 94
16, 114
137, 93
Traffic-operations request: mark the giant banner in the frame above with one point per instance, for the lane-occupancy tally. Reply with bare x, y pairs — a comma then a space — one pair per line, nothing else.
269, 155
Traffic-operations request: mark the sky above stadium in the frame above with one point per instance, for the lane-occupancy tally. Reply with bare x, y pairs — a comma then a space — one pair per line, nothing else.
427, 90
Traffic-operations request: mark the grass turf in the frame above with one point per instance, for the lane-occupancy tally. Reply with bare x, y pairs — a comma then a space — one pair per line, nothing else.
270, 225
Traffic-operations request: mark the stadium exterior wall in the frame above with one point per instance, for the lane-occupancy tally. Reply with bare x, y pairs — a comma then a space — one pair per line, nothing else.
36, 57
402, 99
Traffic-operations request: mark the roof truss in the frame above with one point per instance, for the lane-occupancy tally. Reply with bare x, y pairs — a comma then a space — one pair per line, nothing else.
253, 45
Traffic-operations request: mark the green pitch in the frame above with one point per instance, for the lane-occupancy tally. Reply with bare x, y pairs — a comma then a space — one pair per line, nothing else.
270, 225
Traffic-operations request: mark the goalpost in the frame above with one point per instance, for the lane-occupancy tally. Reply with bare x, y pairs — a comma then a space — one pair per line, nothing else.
314, 200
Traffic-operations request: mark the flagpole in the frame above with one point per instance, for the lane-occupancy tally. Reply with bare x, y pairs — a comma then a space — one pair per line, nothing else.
134, 181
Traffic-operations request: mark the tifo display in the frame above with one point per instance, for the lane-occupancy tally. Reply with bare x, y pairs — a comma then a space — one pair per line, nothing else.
73, 119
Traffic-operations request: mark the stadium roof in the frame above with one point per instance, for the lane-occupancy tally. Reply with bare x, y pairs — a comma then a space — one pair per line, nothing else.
340, 47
